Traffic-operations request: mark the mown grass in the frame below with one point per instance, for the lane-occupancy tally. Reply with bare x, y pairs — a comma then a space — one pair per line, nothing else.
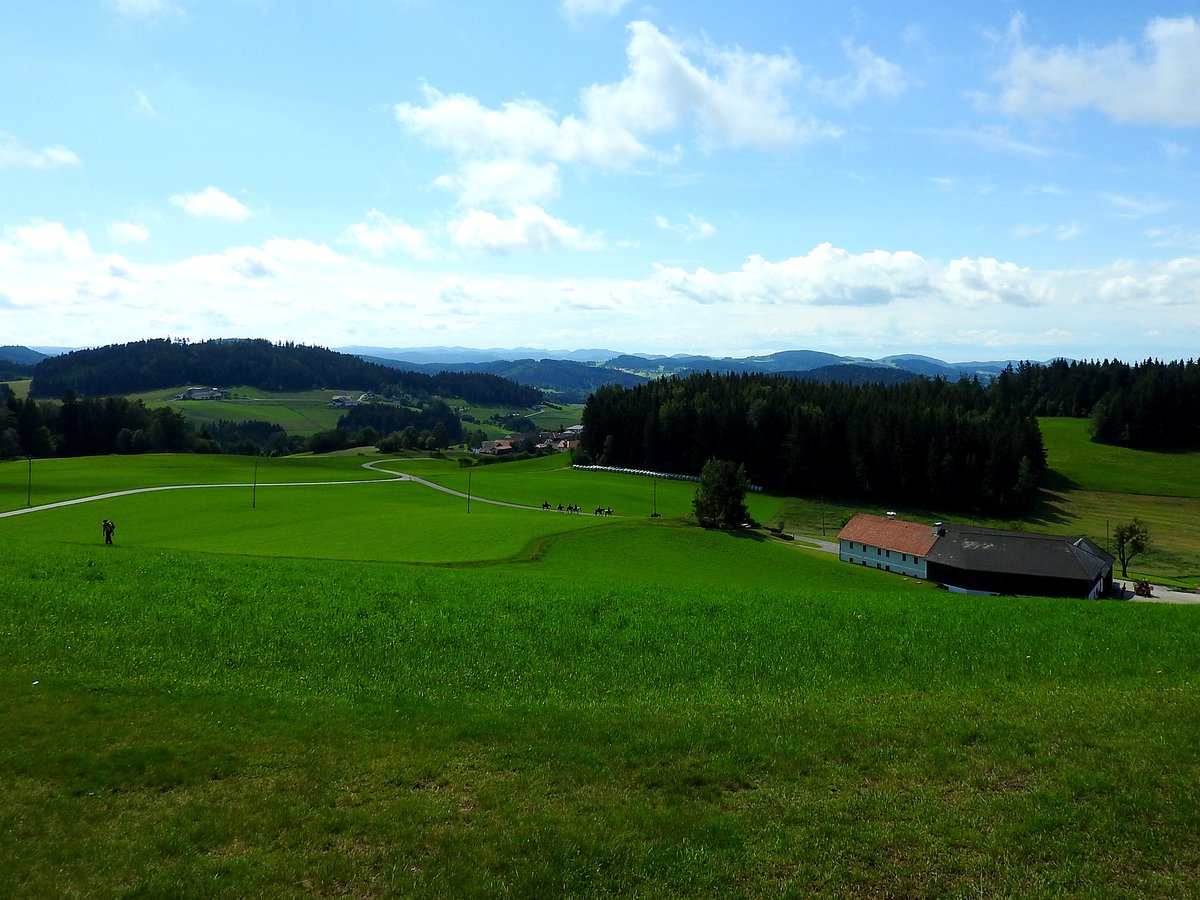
1073, 456
204, 725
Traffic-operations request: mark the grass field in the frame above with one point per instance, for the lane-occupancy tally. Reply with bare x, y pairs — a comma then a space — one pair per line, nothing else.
297, 412
366, 690
20, 388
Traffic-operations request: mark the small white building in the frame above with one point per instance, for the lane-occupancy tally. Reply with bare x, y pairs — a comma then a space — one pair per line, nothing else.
888, 543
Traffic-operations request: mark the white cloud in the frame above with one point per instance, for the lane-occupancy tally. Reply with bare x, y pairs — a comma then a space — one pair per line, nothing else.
50, 240
503, 182
695, 229
1134, 207
1156, 83
381, 234
128, 233
212, 203
13, 155
1068, 232
872, 75
144, 106
742, 101
828, 298
577, 10
144, 9
528, 228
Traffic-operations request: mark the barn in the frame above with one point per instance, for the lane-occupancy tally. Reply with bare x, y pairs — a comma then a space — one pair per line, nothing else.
993, 561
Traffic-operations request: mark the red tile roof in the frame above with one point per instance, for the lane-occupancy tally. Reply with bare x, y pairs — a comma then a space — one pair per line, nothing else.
890, 534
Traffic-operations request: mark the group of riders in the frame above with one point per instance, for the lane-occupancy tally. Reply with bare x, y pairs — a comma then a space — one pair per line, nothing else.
573, 508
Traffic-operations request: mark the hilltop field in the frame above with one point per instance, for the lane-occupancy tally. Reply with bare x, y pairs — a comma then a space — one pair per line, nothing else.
303, 677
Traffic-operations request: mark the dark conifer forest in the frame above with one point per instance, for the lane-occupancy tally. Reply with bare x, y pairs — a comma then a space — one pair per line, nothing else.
923, 443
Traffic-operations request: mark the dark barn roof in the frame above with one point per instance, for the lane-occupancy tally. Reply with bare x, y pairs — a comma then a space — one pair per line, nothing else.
1016, 561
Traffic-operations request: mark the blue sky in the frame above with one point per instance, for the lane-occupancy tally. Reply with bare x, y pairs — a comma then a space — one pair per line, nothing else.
967, 181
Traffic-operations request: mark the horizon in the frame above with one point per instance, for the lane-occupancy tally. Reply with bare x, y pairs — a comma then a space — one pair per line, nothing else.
677, 178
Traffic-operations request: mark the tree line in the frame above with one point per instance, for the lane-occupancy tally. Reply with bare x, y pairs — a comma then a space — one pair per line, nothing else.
954, 445
1150, 405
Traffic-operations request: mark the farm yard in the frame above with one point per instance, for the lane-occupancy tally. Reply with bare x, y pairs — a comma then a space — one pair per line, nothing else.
372, 688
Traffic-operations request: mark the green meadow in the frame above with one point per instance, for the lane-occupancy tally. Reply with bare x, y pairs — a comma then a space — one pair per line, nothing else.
297, 412
378, 689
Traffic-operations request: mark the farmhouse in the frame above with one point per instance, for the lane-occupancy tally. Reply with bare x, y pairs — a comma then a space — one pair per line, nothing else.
202, 393
886, 543
979, 560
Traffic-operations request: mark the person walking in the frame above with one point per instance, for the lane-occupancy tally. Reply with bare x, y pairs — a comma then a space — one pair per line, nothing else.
108, 528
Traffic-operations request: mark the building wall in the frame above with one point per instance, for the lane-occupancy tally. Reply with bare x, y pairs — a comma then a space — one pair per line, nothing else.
860, 554
1015, 584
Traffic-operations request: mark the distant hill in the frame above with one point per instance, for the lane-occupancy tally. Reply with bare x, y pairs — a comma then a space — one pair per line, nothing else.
22, 356
150, 365
657, 365
459, 355
570, 381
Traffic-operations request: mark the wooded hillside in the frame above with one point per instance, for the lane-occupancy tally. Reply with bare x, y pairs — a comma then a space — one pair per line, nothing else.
927, 443
160, 363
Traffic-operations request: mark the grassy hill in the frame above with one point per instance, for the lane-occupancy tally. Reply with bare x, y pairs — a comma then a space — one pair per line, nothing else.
366, 689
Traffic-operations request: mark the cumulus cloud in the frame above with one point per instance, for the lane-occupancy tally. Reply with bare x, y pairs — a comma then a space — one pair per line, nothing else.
381, 234
128, 233
1155, 82
503, 182
738, 99
528, 228
14, 155
826, 276
49, 240
212, 203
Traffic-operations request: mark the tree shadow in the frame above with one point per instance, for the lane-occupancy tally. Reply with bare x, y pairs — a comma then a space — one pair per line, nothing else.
1050, 506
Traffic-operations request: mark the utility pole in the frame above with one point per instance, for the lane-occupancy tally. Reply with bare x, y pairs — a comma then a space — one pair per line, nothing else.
254, 491
29, 488
654, 501
468, 492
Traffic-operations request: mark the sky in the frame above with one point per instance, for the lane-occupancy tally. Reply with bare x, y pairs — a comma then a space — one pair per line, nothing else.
969, 181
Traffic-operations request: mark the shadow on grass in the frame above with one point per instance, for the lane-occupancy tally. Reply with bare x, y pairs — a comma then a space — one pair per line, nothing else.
1051, 504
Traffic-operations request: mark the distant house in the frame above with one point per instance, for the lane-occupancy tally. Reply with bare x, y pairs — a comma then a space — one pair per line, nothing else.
979, 560
203, 393
501, 447
888, 543
342, 401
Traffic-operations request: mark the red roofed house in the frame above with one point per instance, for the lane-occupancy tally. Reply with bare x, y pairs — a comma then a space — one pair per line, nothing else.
887, 543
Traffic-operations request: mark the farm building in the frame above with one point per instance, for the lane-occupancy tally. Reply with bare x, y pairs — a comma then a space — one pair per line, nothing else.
983, 560
886, 543
1017, 562
202, 393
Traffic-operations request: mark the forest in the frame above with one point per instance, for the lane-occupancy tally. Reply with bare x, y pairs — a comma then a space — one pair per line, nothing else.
1151, 405
929, 442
